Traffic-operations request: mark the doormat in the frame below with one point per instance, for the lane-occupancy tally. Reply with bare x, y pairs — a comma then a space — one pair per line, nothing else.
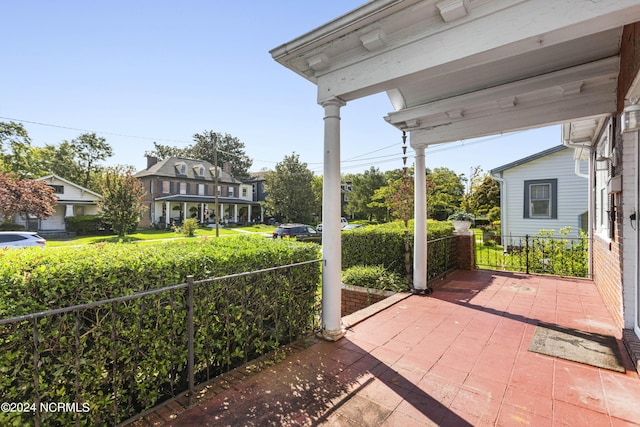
578, 346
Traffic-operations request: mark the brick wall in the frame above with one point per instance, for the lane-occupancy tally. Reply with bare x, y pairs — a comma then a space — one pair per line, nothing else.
607, 268
355, 298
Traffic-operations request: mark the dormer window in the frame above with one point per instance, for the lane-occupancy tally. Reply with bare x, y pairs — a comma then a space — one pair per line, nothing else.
181, 168
199, 170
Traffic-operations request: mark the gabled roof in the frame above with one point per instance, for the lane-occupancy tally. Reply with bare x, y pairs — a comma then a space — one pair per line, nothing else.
528, 159
52, 177
167, 168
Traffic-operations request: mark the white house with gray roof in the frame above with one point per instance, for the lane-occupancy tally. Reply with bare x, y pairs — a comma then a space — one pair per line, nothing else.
544, 191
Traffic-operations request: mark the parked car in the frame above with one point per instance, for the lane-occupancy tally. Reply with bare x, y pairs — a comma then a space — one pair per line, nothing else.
343, 222
299, 231
16, 239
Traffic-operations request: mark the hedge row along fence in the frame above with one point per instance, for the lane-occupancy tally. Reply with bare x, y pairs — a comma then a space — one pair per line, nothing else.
385, 245
120, 358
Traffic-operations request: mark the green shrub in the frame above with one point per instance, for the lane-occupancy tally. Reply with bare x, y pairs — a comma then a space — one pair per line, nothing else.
235, 319
86, 225
385, 244
374, 277
489, 243
11, 226
188, 227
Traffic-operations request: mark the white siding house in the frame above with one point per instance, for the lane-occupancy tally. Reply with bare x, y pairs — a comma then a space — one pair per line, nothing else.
545, 191
73, 200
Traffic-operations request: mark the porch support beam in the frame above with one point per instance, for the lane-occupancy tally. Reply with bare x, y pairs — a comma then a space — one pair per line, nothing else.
167, 216
331, 239
420, 226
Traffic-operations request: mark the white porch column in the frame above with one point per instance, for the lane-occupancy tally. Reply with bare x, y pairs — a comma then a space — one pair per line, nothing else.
261, 213
167, 216
249, 213
185, 213
420, 227
235, 212
201, 213
221, 214
331, 240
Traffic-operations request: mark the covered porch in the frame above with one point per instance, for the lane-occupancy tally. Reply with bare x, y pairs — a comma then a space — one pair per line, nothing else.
458, 358
177, 208
461, 69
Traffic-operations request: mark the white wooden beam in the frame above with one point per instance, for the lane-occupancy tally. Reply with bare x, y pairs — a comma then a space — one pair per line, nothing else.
525, 26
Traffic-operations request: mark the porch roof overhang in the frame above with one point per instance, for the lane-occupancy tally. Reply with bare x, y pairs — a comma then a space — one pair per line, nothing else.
457, 69
188, 198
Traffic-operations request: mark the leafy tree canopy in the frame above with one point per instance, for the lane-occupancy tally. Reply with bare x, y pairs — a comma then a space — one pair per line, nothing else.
25, 197
363, 187
483, 195
288, 189
121, 205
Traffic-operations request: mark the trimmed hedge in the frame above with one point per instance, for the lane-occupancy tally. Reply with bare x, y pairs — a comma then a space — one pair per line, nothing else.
385, 244
235, 320
11, 226
374, 277
86, 225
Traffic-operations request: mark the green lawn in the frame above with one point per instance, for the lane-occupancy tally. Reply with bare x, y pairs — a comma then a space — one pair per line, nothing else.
150, 235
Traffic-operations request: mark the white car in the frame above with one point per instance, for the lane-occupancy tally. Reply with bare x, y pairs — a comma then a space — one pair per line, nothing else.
16, 239
343, 224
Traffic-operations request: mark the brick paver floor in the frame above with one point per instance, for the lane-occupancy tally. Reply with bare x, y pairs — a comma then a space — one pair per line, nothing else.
456, 358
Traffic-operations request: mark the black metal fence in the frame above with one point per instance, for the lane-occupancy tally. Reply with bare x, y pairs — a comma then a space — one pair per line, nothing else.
442, 256
540, 254
118, 357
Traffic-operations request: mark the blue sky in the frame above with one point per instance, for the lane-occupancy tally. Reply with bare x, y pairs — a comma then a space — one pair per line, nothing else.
142, 71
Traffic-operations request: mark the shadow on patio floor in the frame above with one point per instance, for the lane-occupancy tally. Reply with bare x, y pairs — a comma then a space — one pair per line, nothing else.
457, 358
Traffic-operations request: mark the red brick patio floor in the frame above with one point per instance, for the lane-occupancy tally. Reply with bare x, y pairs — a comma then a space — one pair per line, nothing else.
456, 358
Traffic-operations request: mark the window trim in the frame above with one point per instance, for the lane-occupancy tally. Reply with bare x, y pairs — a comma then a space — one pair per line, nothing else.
553, 198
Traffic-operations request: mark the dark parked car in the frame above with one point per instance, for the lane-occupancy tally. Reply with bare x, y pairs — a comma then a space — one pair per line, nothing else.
299, 231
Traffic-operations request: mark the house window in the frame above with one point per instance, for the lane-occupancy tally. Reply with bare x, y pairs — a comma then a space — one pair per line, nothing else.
219, 190
200, 189
166, 187
230, 191
57, 189
183, 188
244, 192
540, 199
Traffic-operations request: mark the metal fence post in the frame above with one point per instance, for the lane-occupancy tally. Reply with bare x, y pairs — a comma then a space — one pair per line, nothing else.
526, 252
36, 374
190, 338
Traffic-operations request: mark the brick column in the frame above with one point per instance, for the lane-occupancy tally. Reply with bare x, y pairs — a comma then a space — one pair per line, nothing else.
466, 250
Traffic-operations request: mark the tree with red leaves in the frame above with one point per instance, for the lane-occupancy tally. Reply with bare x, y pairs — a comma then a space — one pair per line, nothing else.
25, 197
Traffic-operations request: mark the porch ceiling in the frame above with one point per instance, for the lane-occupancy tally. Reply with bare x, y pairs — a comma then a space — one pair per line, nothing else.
457, 69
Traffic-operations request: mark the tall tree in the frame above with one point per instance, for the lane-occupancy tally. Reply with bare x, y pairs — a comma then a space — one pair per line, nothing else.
445, 190
483, 195
363, 188
121, 204
90, 149
25, 197
289, 190
15, 149
316, 186
162, 151
230, 150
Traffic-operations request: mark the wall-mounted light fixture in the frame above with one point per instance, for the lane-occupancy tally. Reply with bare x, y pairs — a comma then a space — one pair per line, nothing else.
631, 117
